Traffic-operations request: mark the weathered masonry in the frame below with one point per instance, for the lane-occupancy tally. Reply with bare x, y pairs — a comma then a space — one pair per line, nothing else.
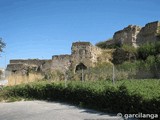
83, 55
23, 66
135, 35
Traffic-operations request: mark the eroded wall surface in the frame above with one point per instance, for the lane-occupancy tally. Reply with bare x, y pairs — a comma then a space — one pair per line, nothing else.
148, 33
84, 53
135, 35
87, 55
127, 36
21, 65
61, 63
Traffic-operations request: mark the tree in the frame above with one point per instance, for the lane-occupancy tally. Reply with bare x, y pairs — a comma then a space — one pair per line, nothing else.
2, 45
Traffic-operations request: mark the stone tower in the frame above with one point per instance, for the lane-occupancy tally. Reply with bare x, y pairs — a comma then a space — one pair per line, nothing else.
84, 55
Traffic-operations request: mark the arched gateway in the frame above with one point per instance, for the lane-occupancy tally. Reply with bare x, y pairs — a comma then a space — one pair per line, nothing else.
80, 66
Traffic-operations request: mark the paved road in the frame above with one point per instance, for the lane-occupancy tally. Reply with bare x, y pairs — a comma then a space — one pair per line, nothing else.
41, 110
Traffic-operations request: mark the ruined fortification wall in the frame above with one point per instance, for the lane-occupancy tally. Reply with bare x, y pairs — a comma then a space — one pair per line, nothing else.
61, 63
127, 36
81, 52
135, 35
84, 52
34, 64
148, 33
24, 71
95, 52
16, 67
28, 61
106, 56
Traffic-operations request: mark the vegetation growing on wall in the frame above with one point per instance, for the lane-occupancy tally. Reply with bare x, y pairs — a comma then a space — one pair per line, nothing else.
143, 60
104, 45
124, 53
128, 61
150, 54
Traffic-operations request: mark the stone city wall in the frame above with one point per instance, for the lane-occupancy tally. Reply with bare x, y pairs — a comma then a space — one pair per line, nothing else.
34, 64
148, 33
136, 35
61, 63
85, 53
127, 36
29, 61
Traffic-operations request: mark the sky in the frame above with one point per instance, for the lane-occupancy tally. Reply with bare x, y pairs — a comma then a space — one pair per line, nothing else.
40, 29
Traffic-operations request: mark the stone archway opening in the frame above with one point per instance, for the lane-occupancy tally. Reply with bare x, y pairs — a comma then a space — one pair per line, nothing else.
80, 67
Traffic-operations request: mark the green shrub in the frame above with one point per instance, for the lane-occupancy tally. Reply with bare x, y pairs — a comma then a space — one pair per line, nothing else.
119, 56
101, 44
126, 96
157, 47
130, 49
147, 49
104, 45
125, 53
